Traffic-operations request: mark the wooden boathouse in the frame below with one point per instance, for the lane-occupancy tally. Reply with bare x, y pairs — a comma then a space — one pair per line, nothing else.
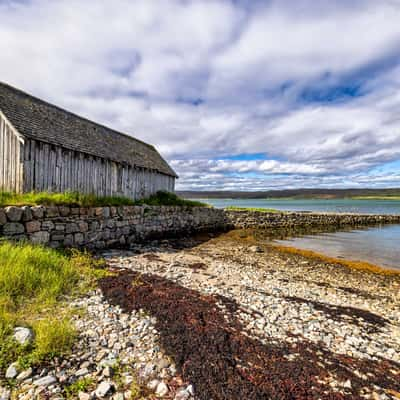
46, 148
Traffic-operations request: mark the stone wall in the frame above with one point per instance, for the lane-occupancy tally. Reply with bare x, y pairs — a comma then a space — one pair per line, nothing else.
253, 219
105, 226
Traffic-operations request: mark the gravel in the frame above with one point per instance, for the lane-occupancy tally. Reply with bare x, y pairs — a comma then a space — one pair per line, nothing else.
227, 318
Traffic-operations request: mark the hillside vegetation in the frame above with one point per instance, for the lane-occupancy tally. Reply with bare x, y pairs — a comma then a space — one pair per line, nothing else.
376, 194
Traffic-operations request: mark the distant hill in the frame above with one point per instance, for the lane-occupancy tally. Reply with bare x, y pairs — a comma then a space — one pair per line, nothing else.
295, 193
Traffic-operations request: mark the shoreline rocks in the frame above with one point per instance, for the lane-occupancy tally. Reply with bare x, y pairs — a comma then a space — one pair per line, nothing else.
303, 311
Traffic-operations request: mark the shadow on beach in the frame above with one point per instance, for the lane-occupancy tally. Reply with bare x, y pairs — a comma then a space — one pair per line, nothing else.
207, 341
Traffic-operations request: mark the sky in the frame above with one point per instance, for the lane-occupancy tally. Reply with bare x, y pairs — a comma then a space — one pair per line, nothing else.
235, 94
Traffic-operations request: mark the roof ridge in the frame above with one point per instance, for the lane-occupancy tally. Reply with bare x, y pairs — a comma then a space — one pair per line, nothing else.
37, 99
44, 121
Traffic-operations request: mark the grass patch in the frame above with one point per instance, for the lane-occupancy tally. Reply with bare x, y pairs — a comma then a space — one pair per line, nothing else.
162, 198
137, 392
75, 199
265, 210
53, 338
394, 197
34, 282
81, 385
72, 199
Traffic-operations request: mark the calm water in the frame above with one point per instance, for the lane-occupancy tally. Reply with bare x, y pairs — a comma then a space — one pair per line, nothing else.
335, 205
378, 245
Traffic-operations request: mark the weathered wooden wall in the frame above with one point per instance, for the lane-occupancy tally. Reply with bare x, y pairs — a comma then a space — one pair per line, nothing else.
52, 168
11, 167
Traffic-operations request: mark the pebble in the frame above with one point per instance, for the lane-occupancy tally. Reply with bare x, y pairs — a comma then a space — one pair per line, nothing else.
103, 389
162, 389
45, 381
182, 394
12, 372
82, 372
108, 372
23, 335
5, 394
25, 374
347, 384
84, 396
256, 249
153, 384
111, 339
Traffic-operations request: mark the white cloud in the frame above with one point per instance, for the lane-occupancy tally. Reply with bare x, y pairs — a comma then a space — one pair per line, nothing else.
281, 44
205, 80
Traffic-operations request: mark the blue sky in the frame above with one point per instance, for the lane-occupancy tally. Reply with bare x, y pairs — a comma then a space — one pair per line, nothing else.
237, 95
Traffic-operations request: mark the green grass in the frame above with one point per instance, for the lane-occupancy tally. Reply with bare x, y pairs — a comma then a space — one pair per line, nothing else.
375, 198
61, 199
81, 385
266, 210
74, 199
34, 283
162, 198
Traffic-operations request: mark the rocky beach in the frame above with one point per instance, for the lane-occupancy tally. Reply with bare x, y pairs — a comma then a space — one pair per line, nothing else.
227, 317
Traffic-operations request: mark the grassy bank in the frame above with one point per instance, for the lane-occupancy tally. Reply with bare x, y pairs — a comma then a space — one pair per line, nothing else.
266, 210
375, 198
169, 199
34, 283
75, 199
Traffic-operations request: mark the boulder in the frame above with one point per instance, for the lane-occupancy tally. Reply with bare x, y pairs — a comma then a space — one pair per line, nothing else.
79, 239
13, 228
3, 217
64, 211
38, 212
52, 212
26, 214
32, 226
14, 214
41, 237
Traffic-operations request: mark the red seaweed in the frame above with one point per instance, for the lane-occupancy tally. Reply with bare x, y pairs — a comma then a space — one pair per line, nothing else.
208, 343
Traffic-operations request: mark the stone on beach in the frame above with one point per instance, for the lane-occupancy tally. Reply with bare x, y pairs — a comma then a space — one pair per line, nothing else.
297, 312
104, 389
23, 335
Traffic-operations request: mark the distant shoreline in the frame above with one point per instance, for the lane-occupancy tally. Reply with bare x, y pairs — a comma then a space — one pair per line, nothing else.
389, 198
300, 194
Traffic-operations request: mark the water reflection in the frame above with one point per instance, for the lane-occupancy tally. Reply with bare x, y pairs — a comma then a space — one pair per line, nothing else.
378, 245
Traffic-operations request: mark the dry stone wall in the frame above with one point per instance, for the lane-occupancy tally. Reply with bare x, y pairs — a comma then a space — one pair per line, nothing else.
103, 227
252, 219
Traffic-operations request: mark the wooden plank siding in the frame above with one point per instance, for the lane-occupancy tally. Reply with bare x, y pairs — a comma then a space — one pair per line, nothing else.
52, 168
11, 162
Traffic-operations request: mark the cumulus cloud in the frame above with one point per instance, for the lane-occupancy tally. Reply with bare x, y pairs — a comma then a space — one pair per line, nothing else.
236, 94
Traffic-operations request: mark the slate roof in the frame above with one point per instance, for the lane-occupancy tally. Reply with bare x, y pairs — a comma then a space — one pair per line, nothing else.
39, 120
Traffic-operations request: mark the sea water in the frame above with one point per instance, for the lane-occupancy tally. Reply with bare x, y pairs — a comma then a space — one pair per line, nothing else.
377, 245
